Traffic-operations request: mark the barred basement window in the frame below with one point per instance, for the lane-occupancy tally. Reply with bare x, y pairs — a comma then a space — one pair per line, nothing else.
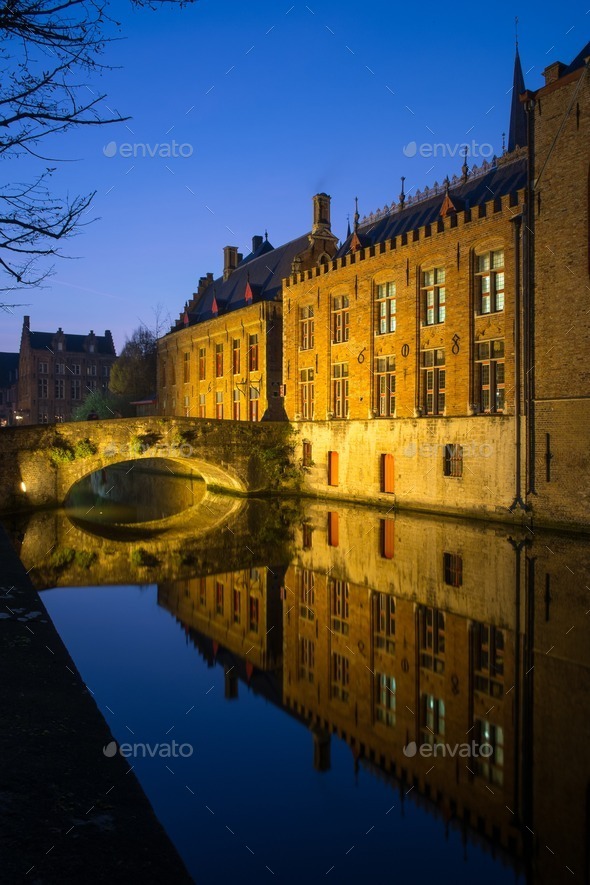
306, 328
385, 381
307, 393
386, 308
490, 281
307, 459
433, 382
340, 318
453, 569
490, 376
453, 460
433, 294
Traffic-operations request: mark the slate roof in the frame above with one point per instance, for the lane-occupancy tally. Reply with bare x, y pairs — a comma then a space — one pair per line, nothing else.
72, 343
578, 61
262, 270
500, 180
8, 365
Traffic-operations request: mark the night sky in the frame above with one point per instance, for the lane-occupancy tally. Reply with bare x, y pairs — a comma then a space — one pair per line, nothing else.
261, 105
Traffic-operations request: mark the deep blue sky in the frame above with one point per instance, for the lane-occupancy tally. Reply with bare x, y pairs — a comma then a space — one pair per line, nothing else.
274, 101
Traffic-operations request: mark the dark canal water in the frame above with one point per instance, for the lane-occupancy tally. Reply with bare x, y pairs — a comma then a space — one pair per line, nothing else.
309, 694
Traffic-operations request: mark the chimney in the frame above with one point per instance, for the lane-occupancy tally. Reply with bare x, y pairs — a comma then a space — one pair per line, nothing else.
204, 283
321, 214
553, 72
230, 261
27, 322
256, 243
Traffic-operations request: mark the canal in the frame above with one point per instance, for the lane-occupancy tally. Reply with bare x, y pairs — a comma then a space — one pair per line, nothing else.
307, 692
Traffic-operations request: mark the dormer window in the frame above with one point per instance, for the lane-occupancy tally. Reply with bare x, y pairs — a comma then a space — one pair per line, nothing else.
91, 348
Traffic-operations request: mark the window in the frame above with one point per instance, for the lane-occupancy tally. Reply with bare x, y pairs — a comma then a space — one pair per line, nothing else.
306, 659
340, 676
307, 595
306, 536
60, 388
76, 390
431, 637
237, 599
384, 622
385, 699
236, 405
432, 381
488, 659
91, 385
219, 597
490, 375
75, 369
387, 538
202, 407
236, 357
43, 388
203, 591
332, 468
307, 459
385, 386
340, 390
43, 367
339, 606
340, 319
253, 353
254, 607
386, 308
60, 345
306, 328
186, 363
106, 371
490, 281
433, 296
187, 406
432, 719
453, 460
254, 398
387, 474
42, 418
219, 360
91, 348
490, 767
219, 404
202, 363
453, 569
307, 393
60, 369
91, 370
333, 529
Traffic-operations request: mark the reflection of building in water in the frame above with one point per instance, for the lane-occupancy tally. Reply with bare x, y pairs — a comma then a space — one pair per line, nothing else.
409, 634
240, 611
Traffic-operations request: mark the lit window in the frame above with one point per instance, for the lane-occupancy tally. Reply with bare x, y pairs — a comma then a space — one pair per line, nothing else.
432, 381
236, 405
219, 404
490, 375
202, 363
306, 328
254, 401
340, 318
386, 308
433, 296
253, 353
218, 360
490, 277
202, 407
186, 367
307, 393
385, 386
340, 390
236, 356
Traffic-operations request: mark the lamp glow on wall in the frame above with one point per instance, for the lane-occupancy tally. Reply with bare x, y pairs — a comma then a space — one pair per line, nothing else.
23, 487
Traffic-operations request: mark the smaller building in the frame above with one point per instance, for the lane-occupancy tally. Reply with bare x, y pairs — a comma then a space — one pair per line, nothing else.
58, 370
8, 387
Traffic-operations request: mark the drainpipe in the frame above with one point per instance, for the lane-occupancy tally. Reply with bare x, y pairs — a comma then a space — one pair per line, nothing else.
518, 501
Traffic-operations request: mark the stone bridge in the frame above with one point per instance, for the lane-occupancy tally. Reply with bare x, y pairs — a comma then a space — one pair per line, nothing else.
40, 464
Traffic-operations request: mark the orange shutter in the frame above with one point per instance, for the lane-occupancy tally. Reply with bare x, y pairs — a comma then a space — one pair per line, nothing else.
387, 538
332, 468
333, 529
387, 474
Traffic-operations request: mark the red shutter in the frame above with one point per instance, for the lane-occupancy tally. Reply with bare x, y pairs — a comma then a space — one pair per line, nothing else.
333, 529
332, 468
387, 475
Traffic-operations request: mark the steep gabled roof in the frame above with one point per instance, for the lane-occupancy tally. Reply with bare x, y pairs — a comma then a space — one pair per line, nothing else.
500, 180
72, 343
578, 61
263, 271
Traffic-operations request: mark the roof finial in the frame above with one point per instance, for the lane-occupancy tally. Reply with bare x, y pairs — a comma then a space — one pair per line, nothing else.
356, 213
503, 142
348, 225
465, 167
266, 235
402, 196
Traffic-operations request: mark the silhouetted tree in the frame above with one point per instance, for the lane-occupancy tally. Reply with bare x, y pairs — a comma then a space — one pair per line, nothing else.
133, 375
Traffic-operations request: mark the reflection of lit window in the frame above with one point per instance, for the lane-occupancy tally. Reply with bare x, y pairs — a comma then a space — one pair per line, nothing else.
340, 676
432, 719
307, 594
237, 606
203, 591
490, 765
339, 606
219, 597
488, 659
385, 699
431, 623
384, 621
254, 613
306, 659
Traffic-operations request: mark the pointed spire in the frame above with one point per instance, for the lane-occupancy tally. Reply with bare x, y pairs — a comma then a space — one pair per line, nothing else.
517, 133
465, 167
356, 213
348, 226
402, 196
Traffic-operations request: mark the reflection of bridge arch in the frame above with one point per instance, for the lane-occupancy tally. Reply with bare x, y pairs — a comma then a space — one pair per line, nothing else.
42, 463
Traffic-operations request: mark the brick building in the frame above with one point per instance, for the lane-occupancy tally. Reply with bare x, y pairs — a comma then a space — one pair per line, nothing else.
58, 370
8, 387
436, 341
223, 357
